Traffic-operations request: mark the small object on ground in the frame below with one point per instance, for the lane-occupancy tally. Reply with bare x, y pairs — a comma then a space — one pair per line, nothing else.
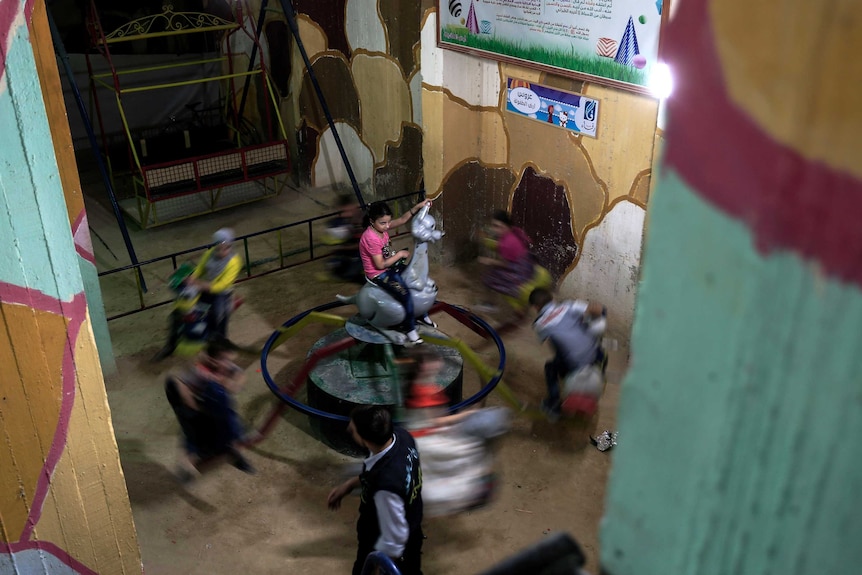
605, 440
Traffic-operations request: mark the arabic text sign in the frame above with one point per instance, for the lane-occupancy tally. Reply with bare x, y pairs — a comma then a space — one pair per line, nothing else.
615, 40
562, 109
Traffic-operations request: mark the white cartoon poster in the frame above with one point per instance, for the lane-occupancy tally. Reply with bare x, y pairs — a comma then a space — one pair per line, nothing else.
564, 110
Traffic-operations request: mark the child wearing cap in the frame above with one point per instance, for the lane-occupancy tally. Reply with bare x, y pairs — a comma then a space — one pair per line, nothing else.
213, 277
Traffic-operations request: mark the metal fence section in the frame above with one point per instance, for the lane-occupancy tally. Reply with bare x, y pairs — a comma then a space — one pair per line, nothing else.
264, 252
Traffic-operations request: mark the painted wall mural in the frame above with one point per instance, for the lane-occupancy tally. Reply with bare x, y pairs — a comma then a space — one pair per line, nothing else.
562, 186
41, 441
365, 55
60, 475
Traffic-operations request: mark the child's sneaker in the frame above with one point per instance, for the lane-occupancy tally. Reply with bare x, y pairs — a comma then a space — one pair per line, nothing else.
243, 465
184, 475
426, 319
413, 337
252, 438
485, 308
551, 410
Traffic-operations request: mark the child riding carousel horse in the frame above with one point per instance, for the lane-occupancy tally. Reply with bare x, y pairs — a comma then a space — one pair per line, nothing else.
397, 292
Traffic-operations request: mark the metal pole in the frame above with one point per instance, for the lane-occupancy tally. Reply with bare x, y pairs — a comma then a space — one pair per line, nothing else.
251, 58
64, 57
290, 14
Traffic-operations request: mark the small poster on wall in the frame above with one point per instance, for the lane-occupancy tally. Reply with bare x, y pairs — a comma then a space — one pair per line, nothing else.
613, 42
564, 110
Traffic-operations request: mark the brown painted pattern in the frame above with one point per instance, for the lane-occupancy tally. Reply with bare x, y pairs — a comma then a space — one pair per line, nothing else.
30, 402
307, 146
641, 188
541, 208
470, 195
401, 171
336, 83
329, 15
402, 21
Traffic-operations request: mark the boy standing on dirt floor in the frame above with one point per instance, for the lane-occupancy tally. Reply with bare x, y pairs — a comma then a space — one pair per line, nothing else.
574, 335
390, 506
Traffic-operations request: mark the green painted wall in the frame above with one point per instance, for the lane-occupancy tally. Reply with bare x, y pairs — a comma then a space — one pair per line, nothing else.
741, 415
98, 318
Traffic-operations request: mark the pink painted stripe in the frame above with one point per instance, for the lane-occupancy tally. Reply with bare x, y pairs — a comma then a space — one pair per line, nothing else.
8, 12
79, 247
10, 293
48, 548
76, 312
85, 254
788, 201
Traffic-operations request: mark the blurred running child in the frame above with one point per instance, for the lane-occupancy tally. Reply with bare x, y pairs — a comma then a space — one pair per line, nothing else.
343, 232
574, 328
214, 277
202, 398
514, 264
458, 463
211, 284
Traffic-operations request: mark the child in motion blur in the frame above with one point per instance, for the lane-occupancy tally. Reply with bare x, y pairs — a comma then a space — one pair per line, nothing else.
214, 277
513, 266
344, 232
383, 266
458, 469
202, 399
575, 328
213, 280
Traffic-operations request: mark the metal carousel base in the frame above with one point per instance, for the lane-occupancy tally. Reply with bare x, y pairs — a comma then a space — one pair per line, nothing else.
369, 373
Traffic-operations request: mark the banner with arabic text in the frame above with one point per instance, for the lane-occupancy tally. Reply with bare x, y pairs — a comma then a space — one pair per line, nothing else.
608, 41
566, 110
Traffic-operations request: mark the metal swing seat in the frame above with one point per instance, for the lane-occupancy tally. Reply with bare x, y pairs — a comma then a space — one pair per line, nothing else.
207, 173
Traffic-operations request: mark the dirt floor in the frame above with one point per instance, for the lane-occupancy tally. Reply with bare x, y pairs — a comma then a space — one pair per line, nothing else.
276, 521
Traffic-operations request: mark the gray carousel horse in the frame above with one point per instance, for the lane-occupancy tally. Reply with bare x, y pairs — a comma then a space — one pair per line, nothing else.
383, 311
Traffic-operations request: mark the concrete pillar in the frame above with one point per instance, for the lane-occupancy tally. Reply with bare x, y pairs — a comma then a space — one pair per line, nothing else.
63, 501
64, 152
739, 417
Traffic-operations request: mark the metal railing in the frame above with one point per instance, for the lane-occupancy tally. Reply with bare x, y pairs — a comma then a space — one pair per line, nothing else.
378, 563
282, 255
